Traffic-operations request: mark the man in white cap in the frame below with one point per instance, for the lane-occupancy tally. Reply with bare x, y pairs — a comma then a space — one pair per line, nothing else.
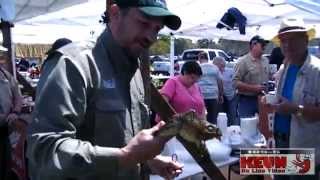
297, 119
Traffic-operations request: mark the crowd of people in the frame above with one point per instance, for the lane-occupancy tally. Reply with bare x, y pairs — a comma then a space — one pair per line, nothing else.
206, 87
91, 119
210, 87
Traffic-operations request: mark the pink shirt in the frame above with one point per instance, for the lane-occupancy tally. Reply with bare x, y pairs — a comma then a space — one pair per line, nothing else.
182, 98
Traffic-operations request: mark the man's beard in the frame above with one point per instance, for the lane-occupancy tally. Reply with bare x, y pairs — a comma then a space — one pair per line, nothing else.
135, 53
132, 54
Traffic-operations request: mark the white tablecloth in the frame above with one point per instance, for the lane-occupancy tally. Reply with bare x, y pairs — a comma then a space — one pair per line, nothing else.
191, 169
218, 153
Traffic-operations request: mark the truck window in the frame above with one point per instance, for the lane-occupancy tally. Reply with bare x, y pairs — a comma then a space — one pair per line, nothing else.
191, 55
221, 54
212, 55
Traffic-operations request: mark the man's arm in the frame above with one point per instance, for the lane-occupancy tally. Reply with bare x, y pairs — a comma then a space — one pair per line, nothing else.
16, 100
17, 97
220, 87
60, 108
53, 147
310, 112
3, 118
245, 87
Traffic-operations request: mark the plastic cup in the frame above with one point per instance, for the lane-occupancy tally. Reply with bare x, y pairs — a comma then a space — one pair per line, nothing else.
271, 99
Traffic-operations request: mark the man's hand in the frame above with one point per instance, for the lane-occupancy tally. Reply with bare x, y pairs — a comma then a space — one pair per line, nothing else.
165, 167
285, 107
259, 88
144, 146
220, 100
12, 117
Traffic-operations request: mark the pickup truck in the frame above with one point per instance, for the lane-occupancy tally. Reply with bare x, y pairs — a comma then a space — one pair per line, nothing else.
163, 66
192, 55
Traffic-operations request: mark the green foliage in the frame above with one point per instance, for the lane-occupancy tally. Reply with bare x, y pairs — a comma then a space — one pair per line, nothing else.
235, 47
164, 38
162, 46
206, 43
203, 43
158, 83
182, 44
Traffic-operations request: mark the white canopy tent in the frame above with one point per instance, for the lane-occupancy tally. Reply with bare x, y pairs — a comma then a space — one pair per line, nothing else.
26, 9
17, 10
312, 6
199, 18
77, 23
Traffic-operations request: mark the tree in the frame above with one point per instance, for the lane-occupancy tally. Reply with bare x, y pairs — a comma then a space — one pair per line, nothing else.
182, 44
234, 47
208, 43
203, 43
161, 46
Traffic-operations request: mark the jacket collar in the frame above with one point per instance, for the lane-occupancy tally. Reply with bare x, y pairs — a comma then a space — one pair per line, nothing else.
118, 57
304, 68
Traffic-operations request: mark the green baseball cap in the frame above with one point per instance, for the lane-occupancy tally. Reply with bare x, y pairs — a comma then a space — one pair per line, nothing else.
153, 8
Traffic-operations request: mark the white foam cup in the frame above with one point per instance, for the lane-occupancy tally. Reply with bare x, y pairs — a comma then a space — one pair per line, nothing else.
271, 99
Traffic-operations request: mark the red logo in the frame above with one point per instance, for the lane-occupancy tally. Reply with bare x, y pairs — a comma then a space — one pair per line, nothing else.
277, 161
302, 165
263, 162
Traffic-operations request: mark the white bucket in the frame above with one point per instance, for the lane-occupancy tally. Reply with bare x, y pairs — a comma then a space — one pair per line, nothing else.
249, 126
222, 123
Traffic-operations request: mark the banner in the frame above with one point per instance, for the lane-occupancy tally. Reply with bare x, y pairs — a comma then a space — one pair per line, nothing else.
277, 161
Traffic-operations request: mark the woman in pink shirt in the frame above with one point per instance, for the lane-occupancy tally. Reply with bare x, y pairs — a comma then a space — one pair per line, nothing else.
182, 91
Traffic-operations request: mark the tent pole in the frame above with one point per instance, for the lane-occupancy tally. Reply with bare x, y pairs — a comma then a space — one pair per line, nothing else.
11, 65
6, 34
13, 60
171, 55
